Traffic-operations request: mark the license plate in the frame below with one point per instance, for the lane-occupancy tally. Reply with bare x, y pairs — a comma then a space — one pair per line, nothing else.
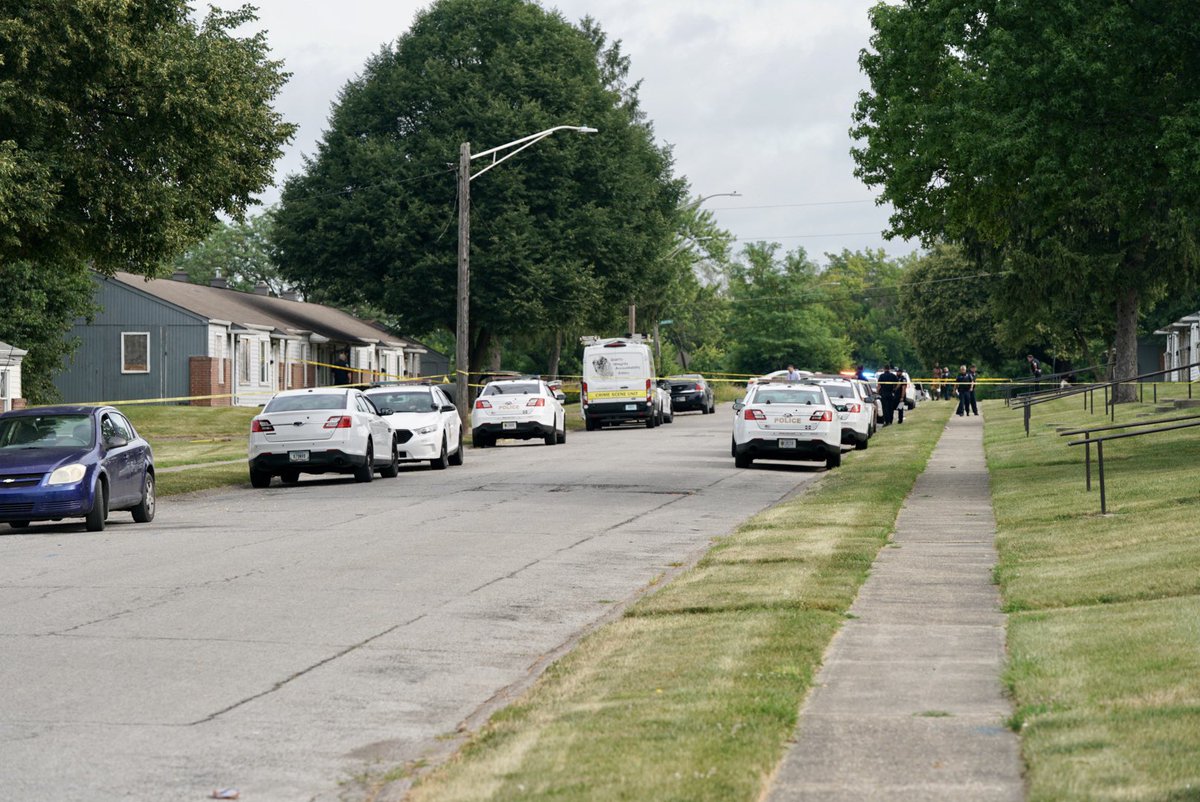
297, 456
787, 443
630, 407
509, 424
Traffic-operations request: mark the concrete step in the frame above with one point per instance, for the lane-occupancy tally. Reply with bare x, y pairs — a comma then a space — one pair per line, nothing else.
1187, 403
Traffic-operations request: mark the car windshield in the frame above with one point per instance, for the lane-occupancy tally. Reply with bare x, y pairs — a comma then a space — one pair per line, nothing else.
787, 395
307, 401
47, 431
514, 388
404, 400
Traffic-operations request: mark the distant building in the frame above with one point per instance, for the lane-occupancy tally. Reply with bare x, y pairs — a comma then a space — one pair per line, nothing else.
1182, 348
10, 377
171, 339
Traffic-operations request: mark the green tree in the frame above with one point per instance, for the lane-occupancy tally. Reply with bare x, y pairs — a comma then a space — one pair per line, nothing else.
1059, 138
862, 287
946, 305
242, 252
40, 307
562, 236
125, 127
779, 314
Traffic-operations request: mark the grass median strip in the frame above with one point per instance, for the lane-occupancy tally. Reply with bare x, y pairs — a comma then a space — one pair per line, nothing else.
1104, 625
694, 692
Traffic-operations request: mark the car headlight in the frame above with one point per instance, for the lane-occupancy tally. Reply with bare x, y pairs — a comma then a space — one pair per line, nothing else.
427, 429
67, 474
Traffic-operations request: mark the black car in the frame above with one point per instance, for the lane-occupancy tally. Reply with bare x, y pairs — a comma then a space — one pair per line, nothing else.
691, 391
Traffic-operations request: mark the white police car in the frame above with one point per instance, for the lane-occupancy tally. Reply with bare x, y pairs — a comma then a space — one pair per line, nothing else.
518, 409
786, 421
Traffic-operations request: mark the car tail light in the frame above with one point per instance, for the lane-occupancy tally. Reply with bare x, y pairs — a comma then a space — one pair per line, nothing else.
699, 388
649, 392
583, 393
261, 426
481, 404
536, 402
338, 422
754, 414
855, 408
822, 415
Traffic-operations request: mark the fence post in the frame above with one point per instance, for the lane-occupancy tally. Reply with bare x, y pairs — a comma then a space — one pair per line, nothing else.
1087, 458
1027, 418
1156, 392
1100, 464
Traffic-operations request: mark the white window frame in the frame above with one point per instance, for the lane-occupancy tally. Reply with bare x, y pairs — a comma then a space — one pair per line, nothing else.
125, 334
264, 363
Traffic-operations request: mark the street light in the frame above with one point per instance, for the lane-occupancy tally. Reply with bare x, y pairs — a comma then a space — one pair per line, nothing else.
499, 154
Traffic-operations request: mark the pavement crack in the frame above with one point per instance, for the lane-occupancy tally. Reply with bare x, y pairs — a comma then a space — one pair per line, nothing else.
281, 683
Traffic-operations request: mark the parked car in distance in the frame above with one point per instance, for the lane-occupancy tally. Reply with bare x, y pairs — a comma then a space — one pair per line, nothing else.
518, 409
73, 462
662, 401
786, 421
425, 422
690, 391
321, 430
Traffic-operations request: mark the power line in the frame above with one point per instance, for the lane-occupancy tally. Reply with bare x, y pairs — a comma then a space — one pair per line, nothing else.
789, 205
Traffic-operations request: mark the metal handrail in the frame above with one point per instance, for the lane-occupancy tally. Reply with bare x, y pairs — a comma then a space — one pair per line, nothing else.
1108, 405
1087, 439
1100, 441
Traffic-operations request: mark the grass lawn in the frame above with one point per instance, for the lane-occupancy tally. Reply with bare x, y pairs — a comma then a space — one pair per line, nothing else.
1104, 625
694, 692
183, 435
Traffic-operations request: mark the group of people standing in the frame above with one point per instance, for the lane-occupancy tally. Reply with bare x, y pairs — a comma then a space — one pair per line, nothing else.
893, 388
963, 386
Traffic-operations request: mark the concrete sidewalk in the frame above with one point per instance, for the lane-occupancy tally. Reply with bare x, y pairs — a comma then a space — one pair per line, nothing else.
908, 704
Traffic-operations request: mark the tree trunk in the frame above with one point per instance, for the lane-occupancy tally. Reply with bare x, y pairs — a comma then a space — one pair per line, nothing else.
480, 350
555, 355
1125, 363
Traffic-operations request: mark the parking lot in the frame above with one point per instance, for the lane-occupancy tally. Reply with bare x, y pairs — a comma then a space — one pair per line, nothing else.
282, 641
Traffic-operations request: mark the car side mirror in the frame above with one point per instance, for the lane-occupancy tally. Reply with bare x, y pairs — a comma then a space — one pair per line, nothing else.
560, 396
447, 408
116, 441
385, 411
738, 406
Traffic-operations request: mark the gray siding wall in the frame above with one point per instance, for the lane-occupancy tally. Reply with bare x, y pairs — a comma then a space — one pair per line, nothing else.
94, 373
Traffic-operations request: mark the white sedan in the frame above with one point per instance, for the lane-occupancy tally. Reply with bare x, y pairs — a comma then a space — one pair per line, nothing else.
518, 409
426, 423
856, 413
787, 421
320, 430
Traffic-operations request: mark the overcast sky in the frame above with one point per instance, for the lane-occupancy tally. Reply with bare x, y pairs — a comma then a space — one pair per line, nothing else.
753, 96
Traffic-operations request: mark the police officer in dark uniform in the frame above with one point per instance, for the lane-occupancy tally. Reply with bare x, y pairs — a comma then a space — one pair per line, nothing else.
887, 390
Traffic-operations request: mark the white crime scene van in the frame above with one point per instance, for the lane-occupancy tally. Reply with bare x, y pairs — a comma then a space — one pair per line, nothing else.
618, 383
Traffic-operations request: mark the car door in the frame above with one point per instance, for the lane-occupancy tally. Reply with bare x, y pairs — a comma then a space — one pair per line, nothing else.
118, 459
381, 433
140, 456
451, 423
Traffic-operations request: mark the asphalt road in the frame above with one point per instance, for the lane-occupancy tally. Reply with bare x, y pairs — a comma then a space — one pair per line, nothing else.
285, 641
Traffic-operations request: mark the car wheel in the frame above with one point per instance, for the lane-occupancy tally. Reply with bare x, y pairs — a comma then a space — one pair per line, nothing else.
590, 425
743, 460
457, 457
366, 472
392, 469
861, 445
551, 437
289, 477
98, 516
562, 436
18, 524
834, 459
143, 513
732, 447
704, 409
650, 421
259, 479
442, 461
479, 439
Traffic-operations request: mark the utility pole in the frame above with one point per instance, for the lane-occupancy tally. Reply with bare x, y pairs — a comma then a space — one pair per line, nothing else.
462, 342
632, 319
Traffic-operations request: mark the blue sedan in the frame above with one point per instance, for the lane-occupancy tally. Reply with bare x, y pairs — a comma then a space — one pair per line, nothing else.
73, 462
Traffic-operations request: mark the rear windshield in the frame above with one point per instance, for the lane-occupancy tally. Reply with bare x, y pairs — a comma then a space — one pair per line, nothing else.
787, 395
839, 390
301, 403
47, 431
404, 400
516, 388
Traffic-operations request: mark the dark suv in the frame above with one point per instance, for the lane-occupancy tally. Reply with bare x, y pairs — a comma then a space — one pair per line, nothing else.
691, 391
